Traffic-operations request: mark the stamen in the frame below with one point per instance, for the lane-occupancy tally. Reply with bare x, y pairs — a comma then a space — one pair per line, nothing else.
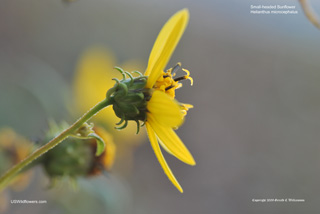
176, 68
180, 78
169, 87
191, 80
184, 77
167, 81
185, 70
179, 85
188, 75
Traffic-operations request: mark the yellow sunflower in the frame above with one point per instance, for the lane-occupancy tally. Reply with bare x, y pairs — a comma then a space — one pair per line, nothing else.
150, 97
164, 113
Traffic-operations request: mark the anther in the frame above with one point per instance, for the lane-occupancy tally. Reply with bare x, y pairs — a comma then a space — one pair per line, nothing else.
188, 75
180, 78
176, 68
169, 87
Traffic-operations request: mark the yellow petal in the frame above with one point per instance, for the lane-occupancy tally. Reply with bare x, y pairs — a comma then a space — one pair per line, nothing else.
164, 147
165, 110
165, 44
171, 141
162, 161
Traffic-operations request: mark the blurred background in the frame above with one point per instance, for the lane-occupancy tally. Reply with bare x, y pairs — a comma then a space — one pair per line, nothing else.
254, 131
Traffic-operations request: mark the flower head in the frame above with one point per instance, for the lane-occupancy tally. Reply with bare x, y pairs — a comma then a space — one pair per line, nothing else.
150, 97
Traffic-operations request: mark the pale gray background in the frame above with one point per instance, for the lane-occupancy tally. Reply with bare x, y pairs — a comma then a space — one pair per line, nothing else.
254, 131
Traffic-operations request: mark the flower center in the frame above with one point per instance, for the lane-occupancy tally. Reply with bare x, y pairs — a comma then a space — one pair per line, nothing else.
168, 83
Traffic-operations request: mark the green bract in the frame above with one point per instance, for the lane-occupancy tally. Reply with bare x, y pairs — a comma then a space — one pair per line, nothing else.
129, 98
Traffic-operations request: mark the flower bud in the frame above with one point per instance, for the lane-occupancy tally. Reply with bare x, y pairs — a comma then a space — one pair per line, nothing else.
76, 156
73, 157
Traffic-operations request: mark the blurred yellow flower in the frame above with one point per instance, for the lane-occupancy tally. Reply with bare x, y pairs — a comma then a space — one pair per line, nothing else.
13, 149
164, 113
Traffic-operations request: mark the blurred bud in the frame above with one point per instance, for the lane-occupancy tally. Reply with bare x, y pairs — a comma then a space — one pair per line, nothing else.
77, 156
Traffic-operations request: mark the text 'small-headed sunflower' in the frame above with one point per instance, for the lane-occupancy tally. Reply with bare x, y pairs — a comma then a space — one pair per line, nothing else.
150, 97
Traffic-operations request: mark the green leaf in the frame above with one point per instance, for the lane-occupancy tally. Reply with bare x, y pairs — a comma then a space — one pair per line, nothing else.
100, 143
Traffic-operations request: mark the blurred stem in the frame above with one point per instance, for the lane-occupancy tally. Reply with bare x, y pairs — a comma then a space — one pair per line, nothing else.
9, 175
310, 14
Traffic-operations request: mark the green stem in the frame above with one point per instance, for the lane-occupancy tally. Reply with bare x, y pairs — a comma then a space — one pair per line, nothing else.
5, 179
